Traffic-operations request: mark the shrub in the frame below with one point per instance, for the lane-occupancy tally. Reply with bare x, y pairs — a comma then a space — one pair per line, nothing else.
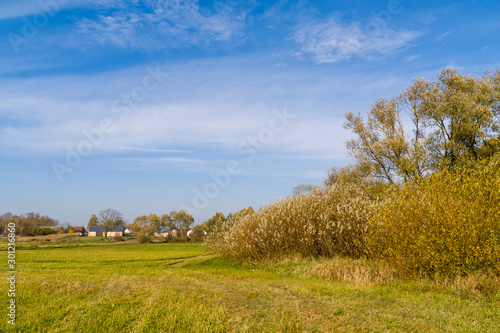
327, 223
445, 225
117, 238
198, 233
35, 231
47, 231
144, 236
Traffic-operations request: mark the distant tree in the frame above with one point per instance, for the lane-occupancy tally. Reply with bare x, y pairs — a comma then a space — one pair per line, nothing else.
4, 221
357, 175
304, 188
244, 211
93, 221
182, 221
17, 221
47, 221
108, 219
215, 220
167, 222
29, 221
140, 223
198, 232
152, 223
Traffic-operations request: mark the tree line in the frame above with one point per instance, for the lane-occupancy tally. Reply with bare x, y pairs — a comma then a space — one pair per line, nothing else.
29, 224
176, 223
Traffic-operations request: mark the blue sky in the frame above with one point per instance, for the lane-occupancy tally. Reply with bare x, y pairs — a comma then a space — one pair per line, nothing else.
153, 106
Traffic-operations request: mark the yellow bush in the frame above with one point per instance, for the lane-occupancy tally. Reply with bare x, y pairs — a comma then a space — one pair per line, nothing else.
327, 222
445, 225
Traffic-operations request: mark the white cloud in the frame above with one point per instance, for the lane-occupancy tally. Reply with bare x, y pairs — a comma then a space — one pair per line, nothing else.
198, 108
167, 23
20, 8
151, 160
11, 9
412, 57
446, 34
332, 41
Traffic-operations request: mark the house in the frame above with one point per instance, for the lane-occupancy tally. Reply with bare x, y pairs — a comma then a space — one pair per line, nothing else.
79, 230
98, 230
189, 232
127, 232
161, 232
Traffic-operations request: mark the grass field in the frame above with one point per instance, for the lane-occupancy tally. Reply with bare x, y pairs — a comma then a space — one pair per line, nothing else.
83, 286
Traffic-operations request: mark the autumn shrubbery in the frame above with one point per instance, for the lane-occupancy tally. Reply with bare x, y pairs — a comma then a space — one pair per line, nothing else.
330, 222
425, 199
445, 225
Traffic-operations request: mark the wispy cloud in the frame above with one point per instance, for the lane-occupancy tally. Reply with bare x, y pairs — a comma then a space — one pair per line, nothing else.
20, 8
149, 160
167, 23
153, 150
412, 57
447, 33
197, 112
331, 40
10, 9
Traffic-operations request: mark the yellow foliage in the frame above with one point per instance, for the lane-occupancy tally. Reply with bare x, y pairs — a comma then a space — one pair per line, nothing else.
447, 224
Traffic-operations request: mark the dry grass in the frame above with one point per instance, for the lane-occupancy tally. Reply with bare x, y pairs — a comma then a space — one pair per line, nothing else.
361, 272
365, 272
329, 223
477, 283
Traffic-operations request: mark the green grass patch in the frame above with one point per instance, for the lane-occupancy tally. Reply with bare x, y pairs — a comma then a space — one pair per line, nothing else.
181, 288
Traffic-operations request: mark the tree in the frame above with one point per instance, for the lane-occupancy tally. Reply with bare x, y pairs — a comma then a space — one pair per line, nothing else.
452, 119
140, 223
181, 221
214, 221
16, 220
244, 211
4, 221
153, 223
93, 221
357, 175
166, 222
304, 188
47, 221
198, 232
108, 219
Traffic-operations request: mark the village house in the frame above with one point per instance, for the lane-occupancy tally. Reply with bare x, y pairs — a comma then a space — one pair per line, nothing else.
97, 230
80, 230
161, 232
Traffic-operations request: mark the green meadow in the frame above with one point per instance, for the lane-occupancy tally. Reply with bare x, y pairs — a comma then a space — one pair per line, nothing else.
88, 286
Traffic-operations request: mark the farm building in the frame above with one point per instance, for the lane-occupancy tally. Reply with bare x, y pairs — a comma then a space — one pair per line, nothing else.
161, 232
97, 230
80, 230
